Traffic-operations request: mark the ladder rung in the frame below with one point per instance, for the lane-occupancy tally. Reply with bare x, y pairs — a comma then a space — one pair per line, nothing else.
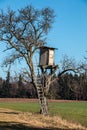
41, 98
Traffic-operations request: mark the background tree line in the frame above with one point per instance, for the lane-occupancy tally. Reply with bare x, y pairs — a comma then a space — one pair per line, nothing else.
70, 85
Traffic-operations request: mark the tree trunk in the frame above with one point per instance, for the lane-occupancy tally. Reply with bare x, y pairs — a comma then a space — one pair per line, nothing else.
42, 84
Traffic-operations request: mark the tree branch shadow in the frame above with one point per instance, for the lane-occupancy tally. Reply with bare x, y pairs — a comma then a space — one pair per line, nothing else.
20, 126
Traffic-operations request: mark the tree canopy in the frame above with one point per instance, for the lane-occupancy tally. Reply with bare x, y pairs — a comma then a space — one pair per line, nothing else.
24, 32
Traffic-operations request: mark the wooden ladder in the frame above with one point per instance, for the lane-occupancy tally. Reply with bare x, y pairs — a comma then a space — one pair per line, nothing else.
42, 99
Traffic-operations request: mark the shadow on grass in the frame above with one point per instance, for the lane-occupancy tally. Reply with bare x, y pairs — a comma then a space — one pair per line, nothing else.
10, 113
20, 126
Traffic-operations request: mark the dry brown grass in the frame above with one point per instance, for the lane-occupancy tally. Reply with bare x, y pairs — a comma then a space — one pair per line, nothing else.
36, 120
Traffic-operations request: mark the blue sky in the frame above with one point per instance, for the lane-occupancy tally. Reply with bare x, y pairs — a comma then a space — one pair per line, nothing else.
69, 32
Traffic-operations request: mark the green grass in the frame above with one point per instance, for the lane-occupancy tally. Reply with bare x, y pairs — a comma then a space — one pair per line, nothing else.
74, 111
24, 107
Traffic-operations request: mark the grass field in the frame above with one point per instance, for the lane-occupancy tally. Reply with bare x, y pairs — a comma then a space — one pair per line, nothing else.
75, 112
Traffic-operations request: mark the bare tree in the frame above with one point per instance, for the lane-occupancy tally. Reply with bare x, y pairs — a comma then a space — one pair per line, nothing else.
76, 82
24, 32
68, 65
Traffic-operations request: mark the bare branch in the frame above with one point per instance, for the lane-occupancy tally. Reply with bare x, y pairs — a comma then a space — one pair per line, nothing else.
11, 59
67, 70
